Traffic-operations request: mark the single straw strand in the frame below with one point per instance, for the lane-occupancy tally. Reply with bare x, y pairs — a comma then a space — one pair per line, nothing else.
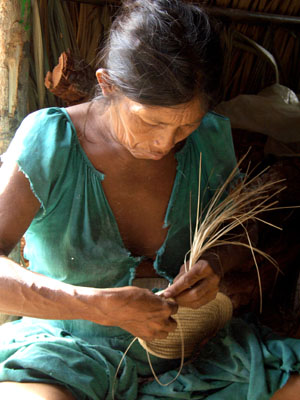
257, 269
119, 366
150, 363
181, 360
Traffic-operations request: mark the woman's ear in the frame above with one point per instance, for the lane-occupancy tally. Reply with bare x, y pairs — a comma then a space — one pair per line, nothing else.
103, 79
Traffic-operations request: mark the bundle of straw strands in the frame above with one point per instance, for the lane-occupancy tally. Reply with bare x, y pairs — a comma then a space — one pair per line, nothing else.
248, 200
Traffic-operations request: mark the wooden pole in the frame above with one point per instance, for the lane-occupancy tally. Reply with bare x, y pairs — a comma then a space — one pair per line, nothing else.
252, 17
14, 73
14, 69
98, 2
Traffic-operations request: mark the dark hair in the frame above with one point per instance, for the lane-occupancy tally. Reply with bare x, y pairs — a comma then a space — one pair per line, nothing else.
163, 53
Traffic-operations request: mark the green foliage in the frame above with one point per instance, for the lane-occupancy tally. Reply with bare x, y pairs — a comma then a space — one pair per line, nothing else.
25, 12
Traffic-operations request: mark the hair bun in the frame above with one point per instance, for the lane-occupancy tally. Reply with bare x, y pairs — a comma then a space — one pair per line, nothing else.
163, 52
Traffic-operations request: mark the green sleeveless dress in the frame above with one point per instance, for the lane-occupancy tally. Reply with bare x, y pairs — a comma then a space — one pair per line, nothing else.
74, 238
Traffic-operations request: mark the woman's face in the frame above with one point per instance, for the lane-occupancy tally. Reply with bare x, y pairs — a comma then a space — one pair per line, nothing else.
151, 132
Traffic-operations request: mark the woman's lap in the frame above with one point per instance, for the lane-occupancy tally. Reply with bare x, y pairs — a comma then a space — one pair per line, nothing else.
33, 391
243, 361
35, 354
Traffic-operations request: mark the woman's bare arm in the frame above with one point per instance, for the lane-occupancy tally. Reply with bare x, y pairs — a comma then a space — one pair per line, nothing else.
23, 292
26, 293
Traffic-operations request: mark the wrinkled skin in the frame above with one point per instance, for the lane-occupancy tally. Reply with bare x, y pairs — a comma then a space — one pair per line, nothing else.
195, 287
149, 316
142, 313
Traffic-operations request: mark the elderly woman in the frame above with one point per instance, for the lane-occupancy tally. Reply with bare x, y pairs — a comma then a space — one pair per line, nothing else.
104, 192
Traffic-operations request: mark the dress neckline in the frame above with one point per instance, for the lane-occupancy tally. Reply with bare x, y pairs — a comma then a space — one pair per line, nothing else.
179, 156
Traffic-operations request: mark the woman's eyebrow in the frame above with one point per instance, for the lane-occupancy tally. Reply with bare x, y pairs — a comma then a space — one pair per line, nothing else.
152, 121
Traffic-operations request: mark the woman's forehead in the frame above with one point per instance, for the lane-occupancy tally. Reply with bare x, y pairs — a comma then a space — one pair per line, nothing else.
186, 113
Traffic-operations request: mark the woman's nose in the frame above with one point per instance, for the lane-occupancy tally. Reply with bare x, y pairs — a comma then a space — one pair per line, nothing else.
166, 140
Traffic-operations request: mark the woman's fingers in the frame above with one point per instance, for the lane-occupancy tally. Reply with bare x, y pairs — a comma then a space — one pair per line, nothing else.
194, 299
148, 316
157, 329
183, 282
200, 274
173, 305
196, 287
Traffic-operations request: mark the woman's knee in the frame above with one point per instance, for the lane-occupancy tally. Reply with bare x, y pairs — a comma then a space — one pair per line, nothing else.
33, 391
290, 391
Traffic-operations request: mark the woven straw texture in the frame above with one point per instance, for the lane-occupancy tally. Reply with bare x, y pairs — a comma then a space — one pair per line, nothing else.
194, 326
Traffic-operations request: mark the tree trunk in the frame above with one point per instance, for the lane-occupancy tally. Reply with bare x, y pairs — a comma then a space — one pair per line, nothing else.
14, 69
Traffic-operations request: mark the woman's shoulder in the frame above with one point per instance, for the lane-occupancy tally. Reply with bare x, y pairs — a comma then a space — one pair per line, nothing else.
73, 115
43, 148
213, 139
78, 111
213, 130
44, 116
44, 125
214, 121
43, 135
79, 114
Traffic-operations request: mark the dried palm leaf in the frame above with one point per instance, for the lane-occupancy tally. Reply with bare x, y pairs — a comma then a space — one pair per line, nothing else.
89, 32
61, 32
38, 50
247, 201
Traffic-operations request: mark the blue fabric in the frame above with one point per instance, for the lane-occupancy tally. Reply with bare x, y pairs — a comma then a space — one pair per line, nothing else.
76, 228
243, 362
75, 238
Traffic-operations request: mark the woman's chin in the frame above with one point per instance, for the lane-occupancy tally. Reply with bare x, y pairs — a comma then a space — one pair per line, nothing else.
147, 155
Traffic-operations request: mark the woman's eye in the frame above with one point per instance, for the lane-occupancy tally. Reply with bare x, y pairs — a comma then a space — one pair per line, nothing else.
153, 125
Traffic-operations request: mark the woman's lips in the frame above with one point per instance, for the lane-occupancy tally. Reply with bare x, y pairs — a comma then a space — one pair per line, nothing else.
151, 154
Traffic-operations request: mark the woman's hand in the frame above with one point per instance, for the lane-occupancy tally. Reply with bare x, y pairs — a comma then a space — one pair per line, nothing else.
136, 310
194, 288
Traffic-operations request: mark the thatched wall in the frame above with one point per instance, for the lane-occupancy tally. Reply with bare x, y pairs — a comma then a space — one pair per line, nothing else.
80, 27
248, 73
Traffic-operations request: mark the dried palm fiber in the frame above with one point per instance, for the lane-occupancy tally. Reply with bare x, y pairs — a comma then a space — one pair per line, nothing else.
53, 33
61, 34
246, 201
238, 40
37, 96
74, 14
89, 31
73, 80
38, 53
194, 327
249, 73
90, 24
251, 66
64, 26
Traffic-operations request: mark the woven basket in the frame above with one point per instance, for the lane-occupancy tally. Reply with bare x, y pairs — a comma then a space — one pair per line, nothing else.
194, 326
